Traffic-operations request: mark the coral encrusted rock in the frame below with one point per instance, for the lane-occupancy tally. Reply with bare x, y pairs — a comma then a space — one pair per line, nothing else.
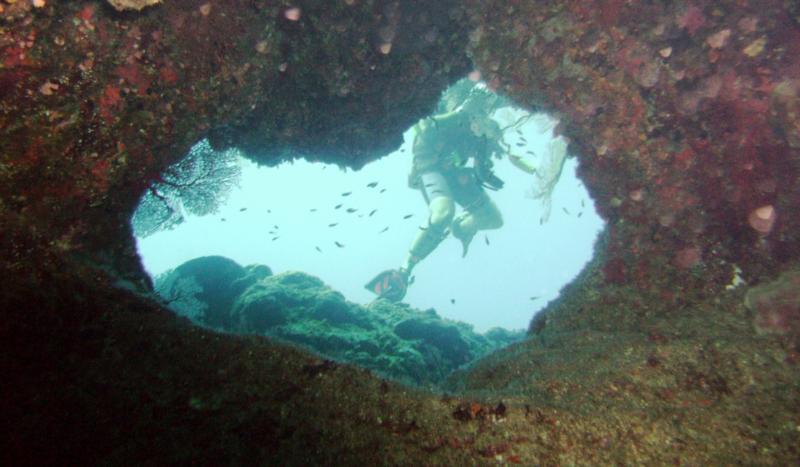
776, 305
122, 5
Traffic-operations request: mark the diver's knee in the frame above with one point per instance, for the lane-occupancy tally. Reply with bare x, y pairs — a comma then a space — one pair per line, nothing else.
493, 221
442, 212
498, 222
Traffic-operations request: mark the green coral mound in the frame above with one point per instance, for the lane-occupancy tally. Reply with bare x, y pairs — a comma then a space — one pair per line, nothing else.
204, 289
394, 340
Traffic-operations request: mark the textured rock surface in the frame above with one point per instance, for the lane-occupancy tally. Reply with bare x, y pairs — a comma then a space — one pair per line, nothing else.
776, 305
204, 289
683, 116
411, 346
95, 105
137, 5
679, 114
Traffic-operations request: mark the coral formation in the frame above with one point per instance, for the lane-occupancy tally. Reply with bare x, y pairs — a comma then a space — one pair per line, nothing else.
96, 105
395, 341
205, 289
137, 5
683, 117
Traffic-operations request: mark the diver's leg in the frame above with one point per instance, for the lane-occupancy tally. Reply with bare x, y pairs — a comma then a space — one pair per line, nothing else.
486, 217
441, 210
480, 214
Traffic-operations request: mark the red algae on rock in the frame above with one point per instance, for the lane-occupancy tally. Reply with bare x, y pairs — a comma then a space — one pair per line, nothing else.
96, 104
697, 105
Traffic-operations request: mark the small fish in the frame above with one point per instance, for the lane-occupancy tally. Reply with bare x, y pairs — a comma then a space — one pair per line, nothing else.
271, 232
423, 228
337, 206
518, 130
580, 214
351, 210
453, 301
275, 238
520, 144
276, 226
486, 239
269, 211
530, 152
428, 185
372, 212
384, 230
333, 224
565, 211
313, 210
223, 219
522, 138
372, 184
317, 248
583, 205
534, 298
402, 149
541, 220
408, 216
411, 280
242, 209
338, 244
347, 193
382, 190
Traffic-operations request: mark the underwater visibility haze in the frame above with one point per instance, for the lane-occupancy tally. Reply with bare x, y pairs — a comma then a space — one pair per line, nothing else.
379, 232
292, 216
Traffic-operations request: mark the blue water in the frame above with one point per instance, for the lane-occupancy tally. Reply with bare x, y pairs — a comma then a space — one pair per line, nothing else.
508, 275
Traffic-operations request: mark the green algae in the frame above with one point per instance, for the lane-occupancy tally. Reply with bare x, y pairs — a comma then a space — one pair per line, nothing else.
392, 339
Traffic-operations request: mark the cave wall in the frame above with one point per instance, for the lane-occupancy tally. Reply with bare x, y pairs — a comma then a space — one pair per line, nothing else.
684, 119
96, 102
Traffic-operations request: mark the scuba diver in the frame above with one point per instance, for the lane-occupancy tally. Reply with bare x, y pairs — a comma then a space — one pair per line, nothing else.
444, 146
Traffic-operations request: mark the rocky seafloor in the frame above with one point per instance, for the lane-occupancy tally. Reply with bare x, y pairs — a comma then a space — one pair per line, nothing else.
677, 345
415, 347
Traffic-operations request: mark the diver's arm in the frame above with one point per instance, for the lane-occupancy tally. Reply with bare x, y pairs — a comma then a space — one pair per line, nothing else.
522, 164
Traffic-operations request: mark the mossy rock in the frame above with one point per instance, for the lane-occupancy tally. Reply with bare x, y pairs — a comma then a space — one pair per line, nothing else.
417, 347
259, 309
205, 288
445, 337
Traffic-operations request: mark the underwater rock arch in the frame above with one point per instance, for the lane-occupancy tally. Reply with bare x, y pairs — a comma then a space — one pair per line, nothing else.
685, 119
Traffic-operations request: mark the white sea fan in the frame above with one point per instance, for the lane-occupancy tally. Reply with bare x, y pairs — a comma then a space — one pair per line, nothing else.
548, 172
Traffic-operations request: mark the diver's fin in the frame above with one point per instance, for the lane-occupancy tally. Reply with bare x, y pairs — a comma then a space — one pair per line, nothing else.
390, 284
464, 237
465, 246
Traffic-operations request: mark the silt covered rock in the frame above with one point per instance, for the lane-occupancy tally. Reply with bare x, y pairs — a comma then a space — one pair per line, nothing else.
122, 5
776, 305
